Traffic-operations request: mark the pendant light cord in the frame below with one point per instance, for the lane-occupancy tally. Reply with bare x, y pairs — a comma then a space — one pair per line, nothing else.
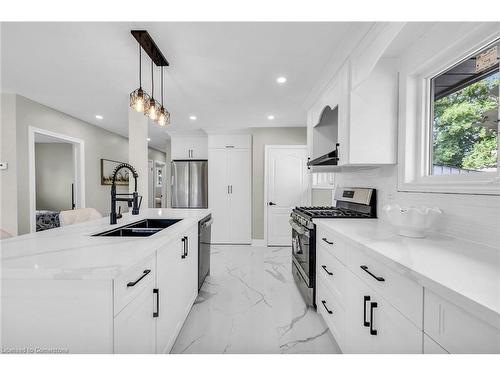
162, 86
152, 82
140, 67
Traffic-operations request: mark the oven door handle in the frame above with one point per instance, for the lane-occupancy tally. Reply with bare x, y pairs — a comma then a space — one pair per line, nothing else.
298, 228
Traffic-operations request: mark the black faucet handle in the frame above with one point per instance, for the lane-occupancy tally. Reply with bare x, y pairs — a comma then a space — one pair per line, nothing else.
119, 214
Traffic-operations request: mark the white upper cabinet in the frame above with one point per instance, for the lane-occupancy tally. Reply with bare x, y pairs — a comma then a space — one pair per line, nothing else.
230, 141
361, 119
189, 147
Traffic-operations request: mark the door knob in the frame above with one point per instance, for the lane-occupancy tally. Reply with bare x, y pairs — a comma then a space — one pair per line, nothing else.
272, 204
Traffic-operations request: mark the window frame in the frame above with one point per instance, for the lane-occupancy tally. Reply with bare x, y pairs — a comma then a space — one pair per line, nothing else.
416, 124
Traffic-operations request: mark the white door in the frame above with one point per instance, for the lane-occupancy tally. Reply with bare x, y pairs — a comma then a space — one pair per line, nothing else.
240, 195
134, 331
287, 186
218, 194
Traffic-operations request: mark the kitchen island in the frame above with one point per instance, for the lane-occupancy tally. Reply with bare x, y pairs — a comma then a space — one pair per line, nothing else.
69, 290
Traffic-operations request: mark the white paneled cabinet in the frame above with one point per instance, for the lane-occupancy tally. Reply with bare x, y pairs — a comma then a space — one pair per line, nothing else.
189, 147
367, 116
229, 190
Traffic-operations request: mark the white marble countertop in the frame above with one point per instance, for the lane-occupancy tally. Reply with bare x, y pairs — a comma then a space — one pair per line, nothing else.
466, 273
71, 252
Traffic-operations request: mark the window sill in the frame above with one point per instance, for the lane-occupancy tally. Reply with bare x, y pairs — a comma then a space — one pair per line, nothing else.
485, 187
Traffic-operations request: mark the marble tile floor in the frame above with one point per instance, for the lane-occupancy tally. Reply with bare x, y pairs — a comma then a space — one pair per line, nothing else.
250, 304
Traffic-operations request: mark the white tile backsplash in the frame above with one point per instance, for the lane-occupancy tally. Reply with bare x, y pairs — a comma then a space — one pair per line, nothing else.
470, 217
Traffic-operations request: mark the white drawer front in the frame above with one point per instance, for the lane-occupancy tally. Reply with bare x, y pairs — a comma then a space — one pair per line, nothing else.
332, 311
403, 293
456, 330
330, 242
130, 285
333, 273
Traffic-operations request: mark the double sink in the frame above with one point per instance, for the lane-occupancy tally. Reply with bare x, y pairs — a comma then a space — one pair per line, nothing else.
142, 228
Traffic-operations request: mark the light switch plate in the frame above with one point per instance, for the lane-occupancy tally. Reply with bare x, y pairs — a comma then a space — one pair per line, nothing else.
3, 165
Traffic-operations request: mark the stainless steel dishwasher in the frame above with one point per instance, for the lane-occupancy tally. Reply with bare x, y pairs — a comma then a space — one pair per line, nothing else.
204, 237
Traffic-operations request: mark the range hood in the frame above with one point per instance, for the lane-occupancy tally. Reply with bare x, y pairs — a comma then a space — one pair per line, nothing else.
331, 158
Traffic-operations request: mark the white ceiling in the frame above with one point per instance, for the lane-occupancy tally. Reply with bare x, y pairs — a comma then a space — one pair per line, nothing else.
224, 73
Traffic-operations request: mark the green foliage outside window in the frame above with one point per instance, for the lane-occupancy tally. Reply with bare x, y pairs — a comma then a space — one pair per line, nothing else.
459, 138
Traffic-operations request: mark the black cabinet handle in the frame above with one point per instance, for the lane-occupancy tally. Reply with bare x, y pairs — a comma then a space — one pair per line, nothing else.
378, 278
373, 331
183, 239
328, 242
133, 283
156, 313
365, 300
328, 272
186, 245
326, 308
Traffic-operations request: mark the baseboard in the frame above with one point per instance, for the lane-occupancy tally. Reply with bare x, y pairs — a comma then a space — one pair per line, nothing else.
258, 242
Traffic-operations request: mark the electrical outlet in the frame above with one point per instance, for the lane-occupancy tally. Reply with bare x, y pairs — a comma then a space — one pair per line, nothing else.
3, 165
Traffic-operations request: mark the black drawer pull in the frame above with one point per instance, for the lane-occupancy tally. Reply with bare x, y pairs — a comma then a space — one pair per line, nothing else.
328, 272
156, 313
373, 331
133, 283
365, 300
186, 244
328, 242
365, 268
326, 308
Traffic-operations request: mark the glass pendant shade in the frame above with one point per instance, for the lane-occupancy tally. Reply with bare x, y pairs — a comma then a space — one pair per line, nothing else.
138, 100
152, 109
164, 117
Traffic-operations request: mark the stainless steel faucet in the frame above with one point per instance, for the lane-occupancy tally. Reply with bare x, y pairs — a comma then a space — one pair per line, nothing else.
131, 201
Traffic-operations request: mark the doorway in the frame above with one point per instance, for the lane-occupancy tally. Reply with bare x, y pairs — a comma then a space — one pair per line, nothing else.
56, 177
286, 185
157, 185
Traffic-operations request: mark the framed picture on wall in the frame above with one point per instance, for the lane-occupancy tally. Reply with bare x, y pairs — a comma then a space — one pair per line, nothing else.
107, 169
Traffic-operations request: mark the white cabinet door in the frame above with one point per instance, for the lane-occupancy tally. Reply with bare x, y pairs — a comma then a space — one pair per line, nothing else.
189, 147
239, 168
199, 148
375, 326
218, 194
134, 326
169, 282
190, 272
432, 347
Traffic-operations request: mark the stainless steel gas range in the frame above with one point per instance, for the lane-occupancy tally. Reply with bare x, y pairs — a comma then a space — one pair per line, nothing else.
350, 203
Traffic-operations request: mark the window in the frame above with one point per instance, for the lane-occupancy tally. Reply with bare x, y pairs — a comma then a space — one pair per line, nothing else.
464, 115
322, 180
448, 134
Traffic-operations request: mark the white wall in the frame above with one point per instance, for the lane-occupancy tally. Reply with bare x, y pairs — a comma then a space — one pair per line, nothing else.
8, 177
262, 137
54, 170
99, 143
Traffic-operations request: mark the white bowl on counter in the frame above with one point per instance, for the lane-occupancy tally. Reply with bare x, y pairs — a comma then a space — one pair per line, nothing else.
411, 221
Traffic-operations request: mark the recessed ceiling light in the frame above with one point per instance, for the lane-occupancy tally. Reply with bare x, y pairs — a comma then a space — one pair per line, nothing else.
270, 117
99, 117
149, 139
281, 80
193, 117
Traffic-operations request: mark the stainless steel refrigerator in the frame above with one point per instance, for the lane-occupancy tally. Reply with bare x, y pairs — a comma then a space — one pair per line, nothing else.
189, 183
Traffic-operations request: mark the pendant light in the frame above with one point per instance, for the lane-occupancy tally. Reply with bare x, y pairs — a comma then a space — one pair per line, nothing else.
164, 116
138, 98
151, 107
